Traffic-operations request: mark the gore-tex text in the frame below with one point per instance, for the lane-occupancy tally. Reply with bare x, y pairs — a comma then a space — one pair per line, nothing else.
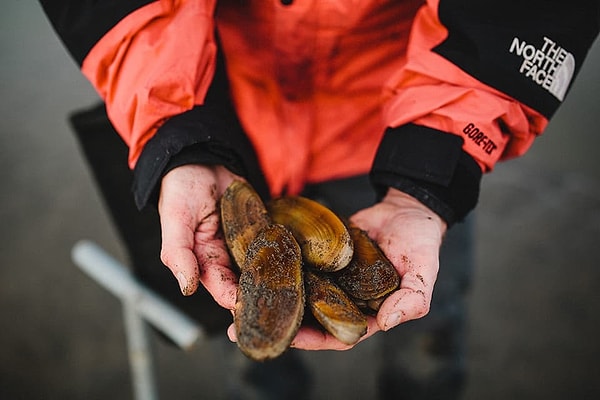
479, 138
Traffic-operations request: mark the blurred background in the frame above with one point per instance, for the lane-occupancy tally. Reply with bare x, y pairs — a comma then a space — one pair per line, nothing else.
535, 306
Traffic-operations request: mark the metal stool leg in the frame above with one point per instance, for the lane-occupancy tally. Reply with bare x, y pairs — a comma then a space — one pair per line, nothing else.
140, 305
140, 354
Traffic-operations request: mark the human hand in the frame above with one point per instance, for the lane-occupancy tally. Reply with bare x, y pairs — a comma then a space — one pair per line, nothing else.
192, 245
410, 235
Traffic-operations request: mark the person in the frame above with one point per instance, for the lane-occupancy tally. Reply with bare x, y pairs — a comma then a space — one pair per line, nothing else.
301, 96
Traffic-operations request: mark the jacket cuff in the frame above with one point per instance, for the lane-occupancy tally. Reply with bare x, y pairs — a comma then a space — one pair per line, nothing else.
429, 165
198, 136
208, 134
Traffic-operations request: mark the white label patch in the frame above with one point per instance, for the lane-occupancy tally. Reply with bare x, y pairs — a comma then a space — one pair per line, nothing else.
548, 65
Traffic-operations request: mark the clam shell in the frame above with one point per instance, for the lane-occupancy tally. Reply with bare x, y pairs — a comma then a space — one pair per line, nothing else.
243, 216
334, 310
370, 275
270, 298
375, 304
325, 242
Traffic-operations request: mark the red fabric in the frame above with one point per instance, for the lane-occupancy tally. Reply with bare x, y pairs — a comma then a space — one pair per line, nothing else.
156, 63
307, 81
315, 84
431, 91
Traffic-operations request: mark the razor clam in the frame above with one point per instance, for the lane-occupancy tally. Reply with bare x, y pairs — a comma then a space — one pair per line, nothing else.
334, 310
243, 215
270, 298
325, 242
370, 275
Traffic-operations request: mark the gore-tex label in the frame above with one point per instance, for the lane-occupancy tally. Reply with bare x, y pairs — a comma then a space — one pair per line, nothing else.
479, 138
545, 63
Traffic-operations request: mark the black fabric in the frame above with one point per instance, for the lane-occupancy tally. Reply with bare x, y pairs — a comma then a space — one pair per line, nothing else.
82, 23
195, 137
431, 166
106, 155
481, 35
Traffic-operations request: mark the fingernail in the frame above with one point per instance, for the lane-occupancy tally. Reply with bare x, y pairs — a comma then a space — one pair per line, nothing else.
182, 282
391, 321
231, 334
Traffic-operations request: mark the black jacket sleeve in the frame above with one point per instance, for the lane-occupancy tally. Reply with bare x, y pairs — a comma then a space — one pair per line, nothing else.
80, 24
529, 51
208, 134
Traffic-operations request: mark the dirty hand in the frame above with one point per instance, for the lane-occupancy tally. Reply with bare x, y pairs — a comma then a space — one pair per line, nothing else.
192, 245
410, 235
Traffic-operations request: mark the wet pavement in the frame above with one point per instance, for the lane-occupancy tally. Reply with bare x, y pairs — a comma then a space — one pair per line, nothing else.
535, 305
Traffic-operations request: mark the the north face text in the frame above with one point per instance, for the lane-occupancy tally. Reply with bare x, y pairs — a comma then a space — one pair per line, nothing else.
547, 64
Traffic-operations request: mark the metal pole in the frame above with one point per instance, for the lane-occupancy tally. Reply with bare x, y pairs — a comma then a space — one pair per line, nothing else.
140, 354
139, 304
118, 280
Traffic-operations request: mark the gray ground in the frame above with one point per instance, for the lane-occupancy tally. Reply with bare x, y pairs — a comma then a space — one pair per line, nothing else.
535, 307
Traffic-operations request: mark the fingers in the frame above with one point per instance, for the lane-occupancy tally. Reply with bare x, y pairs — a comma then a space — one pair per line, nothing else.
311, 338
221, 283
178, 256
198, 255
213, 263
418, 265
191, 246
308, 338
403, 305
410, 235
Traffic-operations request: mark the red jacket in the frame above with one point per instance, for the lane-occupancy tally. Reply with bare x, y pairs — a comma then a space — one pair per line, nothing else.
330, 89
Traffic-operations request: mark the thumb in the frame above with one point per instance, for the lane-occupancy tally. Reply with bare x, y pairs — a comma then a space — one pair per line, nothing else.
178, 256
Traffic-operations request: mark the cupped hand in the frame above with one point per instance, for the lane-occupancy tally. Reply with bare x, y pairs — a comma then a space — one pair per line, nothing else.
410, 235
192, 244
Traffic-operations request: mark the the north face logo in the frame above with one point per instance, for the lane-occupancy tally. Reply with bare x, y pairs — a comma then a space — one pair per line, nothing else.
548, 64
